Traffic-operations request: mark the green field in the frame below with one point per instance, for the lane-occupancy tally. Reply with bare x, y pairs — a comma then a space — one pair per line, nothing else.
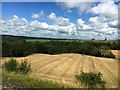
34, 40
46, 40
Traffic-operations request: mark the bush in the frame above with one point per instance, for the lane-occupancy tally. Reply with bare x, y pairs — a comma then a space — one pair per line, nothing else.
91, 80
24, 67
13, 66
106, 52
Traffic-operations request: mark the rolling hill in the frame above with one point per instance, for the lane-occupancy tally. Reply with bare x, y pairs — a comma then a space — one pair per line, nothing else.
63, 67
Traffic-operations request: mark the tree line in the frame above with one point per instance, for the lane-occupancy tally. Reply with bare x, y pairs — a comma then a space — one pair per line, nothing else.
18, 47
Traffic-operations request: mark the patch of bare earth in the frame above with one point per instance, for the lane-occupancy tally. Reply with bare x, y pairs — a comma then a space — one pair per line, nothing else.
63, 67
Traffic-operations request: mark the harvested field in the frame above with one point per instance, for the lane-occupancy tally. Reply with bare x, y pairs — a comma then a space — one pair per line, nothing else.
63, 67
116, 53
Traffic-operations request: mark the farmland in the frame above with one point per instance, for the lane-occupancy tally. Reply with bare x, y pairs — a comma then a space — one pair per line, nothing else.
60, 60
63, 67
116, 53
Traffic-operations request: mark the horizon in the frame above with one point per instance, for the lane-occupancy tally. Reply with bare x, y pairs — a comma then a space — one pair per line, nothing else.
64, 20
52, 38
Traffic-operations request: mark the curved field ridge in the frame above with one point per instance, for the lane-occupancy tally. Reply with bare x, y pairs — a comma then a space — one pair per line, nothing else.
63, 67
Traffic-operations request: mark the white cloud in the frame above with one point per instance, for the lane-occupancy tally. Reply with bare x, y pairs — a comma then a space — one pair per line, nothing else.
68, 5
98, 27
94, 19
84, 7
24, 20
80, 22
81, 7
101, 20
113, 24
14, 26
81, 25
15, 17
104, 27
61, 21
87, 27
38, 15
107, 9
52, 15
36, 25
35, 16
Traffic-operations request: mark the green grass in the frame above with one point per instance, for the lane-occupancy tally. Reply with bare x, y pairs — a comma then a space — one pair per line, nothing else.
34, 40
25, 81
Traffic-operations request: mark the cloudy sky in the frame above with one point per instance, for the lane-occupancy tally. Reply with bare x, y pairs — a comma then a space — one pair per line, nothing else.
72, 20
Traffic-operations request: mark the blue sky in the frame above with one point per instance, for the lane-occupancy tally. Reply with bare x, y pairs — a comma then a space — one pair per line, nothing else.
61, 19
26, 9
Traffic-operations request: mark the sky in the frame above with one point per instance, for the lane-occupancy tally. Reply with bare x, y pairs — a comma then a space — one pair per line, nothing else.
68, 20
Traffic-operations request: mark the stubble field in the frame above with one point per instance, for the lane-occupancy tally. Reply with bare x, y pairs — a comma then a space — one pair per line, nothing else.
63, 67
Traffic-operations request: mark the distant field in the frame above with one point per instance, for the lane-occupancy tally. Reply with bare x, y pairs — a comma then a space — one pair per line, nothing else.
45, 40
63, 67
34, 40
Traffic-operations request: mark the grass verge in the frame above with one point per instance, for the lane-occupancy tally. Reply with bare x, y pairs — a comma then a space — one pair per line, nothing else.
13, 80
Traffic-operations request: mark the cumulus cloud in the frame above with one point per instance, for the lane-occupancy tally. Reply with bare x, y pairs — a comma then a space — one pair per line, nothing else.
81, 7
84, 7
80, 22
20, 26
38, 25
61, 21
81, 25
98, 27
108, 9
14, 26
113, 24
24, 20
38, 15
104, 27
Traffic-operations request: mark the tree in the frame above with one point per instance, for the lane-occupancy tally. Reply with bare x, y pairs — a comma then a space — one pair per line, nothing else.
6, 48
92, 39
18, 48
94, 51
105, 39
91, 80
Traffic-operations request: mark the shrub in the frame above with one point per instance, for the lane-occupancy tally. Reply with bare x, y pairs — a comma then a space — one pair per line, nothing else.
91, 80
13, 66
24, 67
106, 52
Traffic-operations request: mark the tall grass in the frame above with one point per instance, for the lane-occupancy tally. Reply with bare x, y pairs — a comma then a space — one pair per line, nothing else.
13, 80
